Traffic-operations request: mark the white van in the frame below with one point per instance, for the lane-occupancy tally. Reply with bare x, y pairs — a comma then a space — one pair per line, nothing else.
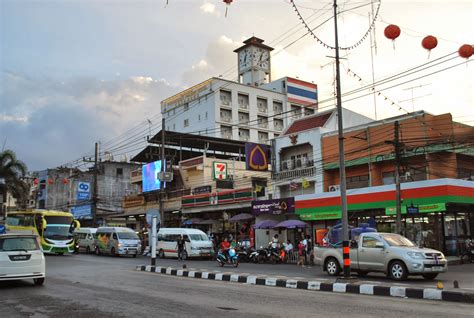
197, 243
117, 241
85, 239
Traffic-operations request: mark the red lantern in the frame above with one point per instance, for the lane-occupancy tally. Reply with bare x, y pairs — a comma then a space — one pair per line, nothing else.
227, 2
429, 42
466, 51
392, 32
65, 181
50, 181
36, 182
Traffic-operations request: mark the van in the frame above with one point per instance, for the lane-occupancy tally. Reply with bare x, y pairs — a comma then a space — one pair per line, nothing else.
116, 241
85, 239
197, 243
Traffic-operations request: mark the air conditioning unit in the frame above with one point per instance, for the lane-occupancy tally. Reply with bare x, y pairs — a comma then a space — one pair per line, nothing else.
304, 161
290, 164
334, 188
285, 165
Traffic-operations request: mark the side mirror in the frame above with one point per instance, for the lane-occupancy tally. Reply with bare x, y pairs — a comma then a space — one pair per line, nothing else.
354, 244
77, 225
379, 245
43, 224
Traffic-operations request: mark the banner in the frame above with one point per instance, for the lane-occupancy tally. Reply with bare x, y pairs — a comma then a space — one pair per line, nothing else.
256, 157
219, 170
275, 206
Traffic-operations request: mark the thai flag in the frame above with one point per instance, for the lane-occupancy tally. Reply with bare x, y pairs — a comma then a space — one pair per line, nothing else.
301, 92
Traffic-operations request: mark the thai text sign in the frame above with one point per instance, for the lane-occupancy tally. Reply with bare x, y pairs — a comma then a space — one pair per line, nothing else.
275, 206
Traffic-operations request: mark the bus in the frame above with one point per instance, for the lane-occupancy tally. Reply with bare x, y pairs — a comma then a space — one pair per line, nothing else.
53, 228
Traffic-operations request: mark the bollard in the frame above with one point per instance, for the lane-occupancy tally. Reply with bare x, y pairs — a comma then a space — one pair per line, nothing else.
456, 284
184, 266
439, 285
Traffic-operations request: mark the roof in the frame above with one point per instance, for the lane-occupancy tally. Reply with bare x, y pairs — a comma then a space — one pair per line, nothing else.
306, 123
254, 41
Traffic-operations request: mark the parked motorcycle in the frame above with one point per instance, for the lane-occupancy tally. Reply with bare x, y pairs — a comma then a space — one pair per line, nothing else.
230, 258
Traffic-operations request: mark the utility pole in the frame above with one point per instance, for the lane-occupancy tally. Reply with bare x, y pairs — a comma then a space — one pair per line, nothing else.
94, 195
342, 168
398, 191
162, 183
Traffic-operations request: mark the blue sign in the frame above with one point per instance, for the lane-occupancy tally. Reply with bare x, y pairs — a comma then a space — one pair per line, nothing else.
82, 211
83, 191
2, 229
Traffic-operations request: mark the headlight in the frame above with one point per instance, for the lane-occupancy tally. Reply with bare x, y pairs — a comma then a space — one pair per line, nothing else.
415, 255
119, 245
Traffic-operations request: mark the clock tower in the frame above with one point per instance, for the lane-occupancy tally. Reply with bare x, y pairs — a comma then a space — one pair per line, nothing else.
254, 62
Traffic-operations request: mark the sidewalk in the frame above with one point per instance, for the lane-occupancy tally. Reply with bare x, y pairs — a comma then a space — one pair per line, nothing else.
353, 286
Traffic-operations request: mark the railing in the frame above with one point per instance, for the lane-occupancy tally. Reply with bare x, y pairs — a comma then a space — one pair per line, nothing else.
226, 119
278, 127
262, 110
295, 173
227, 136
191, 162
244, 106
244, 138
263, 125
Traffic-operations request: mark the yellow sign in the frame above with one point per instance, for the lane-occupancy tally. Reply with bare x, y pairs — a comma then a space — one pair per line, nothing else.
185, 96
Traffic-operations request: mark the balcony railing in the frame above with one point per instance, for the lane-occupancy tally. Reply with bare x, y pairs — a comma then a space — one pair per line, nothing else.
263, 110
296, 173
263, 125
226, 119
243, 106
244, 138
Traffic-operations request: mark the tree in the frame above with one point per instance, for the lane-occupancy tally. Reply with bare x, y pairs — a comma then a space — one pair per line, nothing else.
13, 171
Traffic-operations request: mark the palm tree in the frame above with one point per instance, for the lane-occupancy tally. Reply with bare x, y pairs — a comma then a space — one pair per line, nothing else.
12, 172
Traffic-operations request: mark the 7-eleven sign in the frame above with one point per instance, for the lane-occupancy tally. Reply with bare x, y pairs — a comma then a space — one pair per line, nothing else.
219, 170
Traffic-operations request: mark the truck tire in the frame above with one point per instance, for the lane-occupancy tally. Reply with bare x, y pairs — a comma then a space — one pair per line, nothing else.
397, 270
332, 266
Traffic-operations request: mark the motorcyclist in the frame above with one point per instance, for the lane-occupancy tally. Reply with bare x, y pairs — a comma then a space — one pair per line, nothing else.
225, 246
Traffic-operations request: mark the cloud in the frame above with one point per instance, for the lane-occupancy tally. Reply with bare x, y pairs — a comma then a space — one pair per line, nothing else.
209, 8
44, 115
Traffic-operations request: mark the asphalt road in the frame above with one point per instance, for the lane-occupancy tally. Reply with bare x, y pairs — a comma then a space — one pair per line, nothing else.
91, 286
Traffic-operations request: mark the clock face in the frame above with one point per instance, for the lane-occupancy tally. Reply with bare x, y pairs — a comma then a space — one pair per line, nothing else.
263, 59
244, 59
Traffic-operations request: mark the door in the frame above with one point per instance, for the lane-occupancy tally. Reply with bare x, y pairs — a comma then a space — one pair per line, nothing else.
371, 254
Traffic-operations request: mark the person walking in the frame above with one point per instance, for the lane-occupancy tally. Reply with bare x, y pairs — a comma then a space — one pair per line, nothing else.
180, 246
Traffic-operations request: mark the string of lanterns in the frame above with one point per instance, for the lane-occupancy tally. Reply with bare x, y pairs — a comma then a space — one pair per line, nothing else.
50, 181
429, 42
228, 3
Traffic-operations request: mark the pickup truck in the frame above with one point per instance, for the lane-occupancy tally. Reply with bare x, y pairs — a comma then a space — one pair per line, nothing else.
389, 253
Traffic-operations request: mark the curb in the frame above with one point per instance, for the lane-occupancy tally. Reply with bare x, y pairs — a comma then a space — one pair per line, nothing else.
337, 287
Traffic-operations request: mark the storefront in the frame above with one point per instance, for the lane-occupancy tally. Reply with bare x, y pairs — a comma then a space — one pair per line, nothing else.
435, 213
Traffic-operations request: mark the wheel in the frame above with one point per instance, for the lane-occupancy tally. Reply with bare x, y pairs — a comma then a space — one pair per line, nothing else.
397, 270
430, 276
88, 250
134, 255
184, 255
161, 254
235, 262
113, 253
97, 250
221, 264
332, 267
261, 259
38, 281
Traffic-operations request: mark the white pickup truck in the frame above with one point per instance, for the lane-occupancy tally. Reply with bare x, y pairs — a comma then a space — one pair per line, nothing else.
389, 253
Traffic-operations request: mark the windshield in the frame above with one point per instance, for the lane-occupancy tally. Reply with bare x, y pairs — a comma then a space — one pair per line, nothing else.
397, 240
127, 236
58, 232
198, 237
18, 244
58, 220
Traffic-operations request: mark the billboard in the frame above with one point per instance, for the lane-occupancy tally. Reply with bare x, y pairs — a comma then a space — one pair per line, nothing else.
275, 206
82, 211
150, 172
256, 157
83, 191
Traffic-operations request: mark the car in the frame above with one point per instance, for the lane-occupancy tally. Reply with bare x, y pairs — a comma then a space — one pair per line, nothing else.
388, 253
21, 258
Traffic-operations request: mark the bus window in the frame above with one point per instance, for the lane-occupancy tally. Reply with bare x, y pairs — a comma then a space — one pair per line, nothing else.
20, 220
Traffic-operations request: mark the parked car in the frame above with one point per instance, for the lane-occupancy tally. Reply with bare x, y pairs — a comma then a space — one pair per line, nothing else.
197, 243
389, 253
85, 239
21, 257
116, 241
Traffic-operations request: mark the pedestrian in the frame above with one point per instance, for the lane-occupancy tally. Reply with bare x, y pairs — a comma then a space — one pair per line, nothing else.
301, 254
309, 247
305, 243
180, 246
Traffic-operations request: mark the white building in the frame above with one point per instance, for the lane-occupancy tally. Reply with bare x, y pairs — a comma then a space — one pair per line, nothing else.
253, 109
298, 157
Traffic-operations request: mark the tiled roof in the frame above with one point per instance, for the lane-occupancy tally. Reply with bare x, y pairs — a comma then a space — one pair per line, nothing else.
308, 123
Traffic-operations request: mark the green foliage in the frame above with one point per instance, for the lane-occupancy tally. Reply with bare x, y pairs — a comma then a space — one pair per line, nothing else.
13, 171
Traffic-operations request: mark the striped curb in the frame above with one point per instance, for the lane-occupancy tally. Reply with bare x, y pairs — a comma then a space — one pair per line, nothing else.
337, 287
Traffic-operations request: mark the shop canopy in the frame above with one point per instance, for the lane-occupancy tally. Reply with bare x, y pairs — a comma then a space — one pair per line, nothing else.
427, 196
192, 221
209, 222
265, 224
291, 224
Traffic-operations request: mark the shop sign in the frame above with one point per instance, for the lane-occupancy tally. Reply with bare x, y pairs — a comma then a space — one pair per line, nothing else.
425, 208
133, 201
316, 216
219, 170
202, 189
275, 206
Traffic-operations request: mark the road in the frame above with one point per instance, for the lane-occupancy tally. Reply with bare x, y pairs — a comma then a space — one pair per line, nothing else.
91, 286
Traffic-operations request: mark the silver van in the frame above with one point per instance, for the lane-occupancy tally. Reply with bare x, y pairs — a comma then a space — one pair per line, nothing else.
116, 241
85, 239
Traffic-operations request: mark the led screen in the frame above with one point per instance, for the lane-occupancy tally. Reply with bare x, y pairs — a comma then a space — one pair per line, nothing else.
150, 173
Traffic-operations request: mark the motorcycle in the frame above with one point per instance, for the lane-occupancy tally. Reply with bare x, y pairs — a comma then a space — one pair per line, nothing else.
244, 254
230, 257
468, 255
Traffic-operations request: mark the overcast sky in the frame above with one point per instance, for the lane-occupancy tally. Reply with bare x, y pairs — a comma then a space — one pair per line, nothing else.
77, 72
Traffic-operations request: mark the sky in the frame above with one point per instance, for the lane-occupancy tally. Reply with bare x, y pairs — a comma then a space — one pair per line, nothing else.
76, 72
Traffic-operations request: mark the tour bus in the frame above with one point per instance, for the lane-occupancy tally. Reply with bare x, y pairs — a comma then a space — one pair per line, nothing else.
53, 228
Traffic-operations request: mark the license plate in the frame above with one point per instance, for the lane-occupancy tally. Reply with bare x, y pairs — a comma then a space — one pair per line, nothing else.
19, 257
437, 268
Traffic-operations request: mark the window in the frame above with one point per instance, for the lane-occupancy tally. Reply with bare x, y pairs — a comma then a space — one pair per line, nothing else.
186, 122
388, 177
206, 115
114, 236
20, 220
356, 182
186, 107
18, 243
174, 126
369, 242
119, 172
199, 117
